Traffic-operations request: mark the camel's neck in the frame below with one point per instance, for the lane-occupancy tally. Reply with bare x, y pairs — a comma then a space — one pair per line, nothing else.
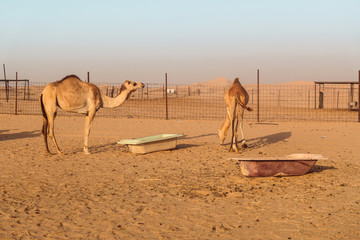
109, 102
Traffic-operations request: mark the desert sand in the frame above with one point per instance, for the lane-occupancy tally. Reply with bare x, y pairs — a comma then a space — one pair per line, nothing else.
191, 192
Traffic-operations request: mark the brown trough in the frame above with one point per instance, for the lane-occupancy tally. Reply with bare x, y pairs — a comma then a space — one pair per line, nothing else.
291, 165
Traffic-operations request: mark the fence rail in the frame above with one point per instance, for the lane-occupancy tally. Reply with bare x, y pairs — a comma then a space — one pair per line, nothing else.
277, 102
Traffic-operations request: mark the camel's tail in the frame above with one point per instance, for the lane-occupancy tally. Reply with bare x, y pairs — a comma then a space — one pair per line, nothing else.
42, 106
242, 104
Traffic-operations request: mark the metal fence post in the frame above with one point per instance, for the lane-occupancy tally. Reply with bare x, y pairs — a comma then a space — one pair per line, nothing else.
16, 93
166, 97
28, 90
6, 85
315, 94
258, 96
24, 89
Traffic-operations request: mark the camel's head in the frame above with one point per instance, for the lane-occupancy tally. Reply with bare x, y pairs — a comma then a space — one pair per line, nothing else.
236, 81
132, 86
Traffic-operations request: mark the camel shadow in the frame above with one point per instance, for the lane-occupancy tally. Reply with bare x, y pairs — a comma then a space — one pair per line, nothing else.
320, 168
104, 147
13, 136
96, 148
114, 146
182, 146
255, 143
264, 123
269, 139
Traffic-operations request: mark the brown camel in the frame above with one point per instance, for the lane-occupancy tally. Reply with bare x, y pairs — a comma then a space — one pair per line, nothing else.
73, 95
236, 99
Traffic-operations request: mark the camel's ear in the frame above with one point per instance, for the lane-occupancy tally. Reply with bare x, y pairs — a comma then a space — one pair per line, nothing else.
123, 87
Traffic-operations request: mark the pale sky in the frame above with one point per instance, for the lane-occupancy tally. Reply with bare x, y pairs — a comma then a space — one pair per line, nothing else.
193, 41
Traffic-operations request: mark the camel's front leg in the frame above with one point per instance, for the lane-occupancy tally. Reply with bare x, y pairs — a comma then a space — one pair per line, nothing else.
88, 120
51, 119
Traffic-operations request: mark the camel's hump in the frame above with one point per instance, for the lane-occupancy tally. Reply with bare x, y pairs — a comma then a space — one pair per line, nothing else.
70, 76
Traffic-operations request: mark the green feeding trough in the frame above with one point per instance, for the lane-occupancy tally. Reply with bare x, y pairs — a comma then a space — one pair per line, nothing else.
152, 143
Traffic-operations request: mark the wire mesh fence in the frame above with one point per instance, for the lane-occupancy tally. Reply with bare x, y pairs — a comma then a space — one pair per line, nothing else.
286, 102
277, 102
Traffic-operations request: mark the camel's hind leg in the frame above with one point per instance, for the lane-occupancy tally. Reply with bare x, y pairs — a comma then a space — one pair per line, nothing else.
45, 128
88, 120
44, 132
234, 122
48, 107
235, 146
225, 127
243, 140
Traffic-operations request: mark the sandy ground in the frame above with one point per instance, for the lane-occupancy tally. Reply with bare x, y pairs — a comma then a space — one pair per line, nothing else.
192, 192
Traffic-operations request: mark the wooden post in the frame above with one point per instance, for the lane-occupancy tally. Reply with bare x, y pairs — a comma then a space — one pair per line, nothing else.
258, 95
166, 98
16, 91
88, 77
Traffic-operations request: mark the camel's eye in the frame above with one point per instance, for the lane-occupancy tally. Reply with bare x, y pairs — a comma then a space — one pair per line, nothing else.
134, 84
